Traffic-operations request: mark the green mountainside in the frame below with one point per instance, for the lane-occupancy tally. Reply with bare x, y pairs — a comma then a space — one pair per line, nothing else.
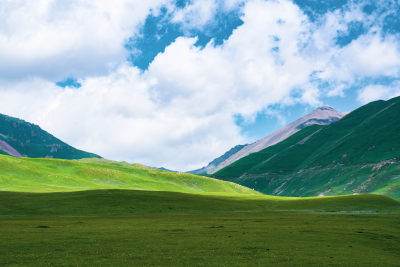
358, 154
21, 138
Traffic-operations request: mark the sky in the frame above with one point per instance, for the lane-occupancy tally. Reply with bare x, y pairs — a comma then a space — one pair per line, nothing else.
176, 83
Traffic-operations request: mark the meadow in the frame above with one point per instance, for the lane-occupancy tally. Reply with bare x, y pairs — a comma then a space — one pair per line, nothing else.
150, 228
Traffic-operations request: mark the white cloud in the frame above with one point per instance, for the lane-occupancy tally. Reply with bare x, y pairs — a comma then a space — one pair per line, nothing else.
371, 55
378, 92
196, 14
52, 39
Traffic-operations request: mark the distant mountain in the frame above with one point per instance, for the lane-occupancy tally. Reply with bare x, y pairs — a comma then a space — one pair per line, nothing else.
320, 116
357, 154
213, 165
165, 169
23, 139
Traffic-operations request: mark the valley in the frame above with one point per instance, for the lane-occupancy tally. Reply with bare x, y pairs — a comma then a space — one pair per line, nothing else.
326, 195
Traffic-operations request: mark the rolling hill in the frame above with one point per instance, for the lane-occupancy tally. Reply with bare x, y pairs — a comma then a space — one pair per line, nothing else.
357, 154
23, 139
56, 175
320, 116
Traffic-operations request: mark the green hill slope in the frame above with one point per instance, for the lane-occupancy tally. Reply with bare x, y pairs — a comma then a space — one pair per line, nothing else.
21, 138
55, 175
358, 154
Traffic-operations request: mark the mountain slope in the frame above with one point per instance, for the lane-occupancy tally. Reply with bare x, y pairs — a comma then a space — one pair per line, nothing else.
20, 138
56, 175
320, 116
213, 165
358, 154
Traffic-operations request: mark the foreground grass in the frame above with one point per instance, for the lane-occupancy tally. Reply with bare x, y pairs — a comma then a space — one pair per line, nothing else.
251, 239
136, 228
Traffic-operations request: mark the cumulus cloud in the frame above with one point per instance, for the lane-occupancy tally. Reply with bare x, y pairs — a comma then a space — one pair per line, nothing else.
52, 39
198, 14
378, 92
180, 112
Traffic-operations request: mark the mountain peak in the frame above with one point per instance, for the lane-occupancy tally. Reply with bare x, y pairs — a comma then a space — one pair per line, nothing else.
324, 112
325, 108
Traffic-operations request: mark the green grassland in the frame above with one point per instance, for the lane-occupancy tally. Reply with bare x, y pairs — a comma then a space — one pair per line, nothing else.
104, 213
149, 228
357, 154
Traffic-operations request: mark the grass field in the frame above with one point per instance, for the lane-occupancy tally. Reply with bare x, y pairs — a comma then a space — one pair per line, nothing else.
244, 239
137, 228
53, 213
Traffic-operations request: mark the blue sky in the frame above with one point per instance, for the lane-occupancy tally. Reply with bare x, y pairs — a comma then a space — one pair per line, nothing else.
177, 83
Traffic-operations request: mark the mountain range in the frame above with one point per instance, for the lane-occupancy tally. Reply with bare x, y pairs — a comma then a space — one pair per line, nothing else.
358, 154
321, 116
19, 138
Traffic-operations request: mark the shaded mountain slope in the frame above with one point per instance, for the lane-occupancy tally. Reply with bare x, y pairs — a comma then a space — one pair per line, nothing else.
358, 154
20, 138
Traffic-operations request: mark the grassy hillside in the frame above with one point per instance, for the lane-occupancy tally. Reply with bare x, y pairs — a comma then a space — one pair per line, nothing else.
358, 154
54, 175
30, 140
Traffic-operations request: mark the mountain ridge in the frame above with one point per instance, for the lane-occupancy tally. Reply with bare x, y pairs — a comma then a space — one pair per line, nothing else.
320, 116
20, 138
